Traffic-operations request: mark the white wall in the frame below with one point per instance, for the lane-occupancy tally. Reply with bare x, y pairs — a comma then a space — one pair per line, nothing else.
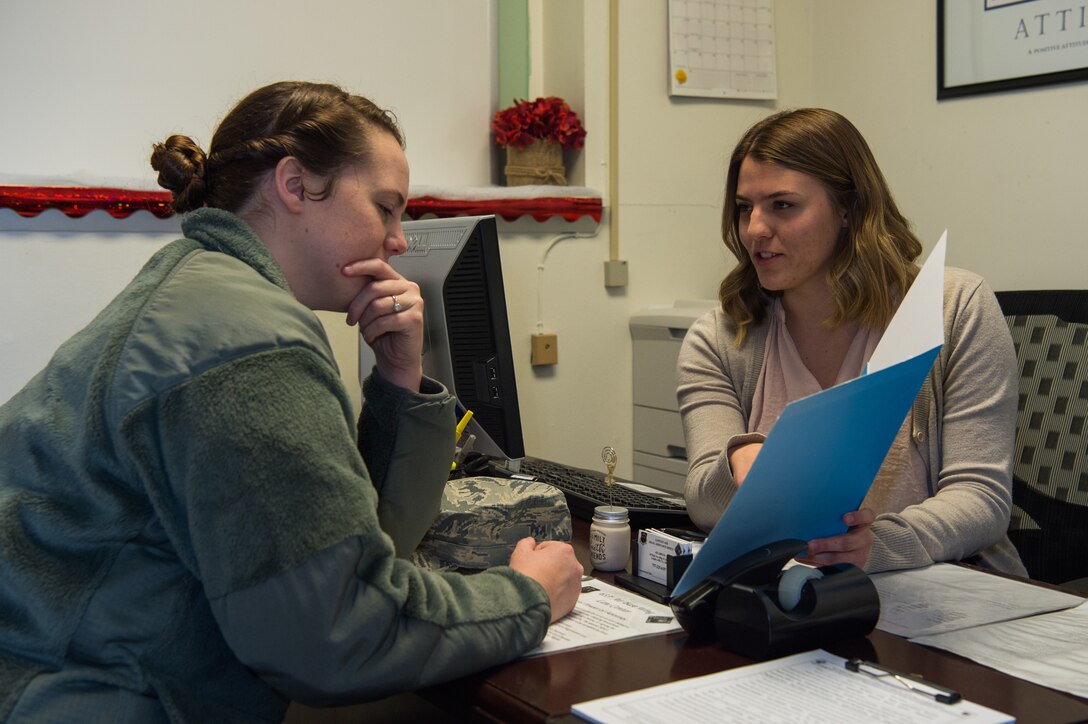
1004, 172
87, 88
53, 282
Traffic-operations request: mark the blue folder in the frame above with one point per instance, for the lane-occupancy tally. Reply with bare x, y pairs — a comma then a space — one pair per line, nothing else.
816, 464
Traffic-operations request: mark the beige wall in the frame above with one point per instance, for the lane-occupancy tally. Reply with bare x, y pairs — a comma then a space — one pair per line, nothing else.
667, 209
1003, 172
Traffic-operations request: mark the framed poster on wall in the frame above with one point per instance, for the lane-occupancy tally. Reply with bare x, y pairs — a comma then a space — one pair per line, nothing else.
985, 46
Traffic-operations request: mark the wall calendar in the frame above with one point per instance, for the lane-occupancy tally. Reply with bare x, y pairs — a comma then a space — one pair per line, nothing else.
722, 49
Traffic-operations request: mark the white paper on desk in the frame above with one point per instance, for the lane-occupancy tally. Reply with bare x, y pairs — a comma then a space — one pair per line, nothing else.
822, 454
606, 613
810, 687
656, 492
1051, 649
946, 597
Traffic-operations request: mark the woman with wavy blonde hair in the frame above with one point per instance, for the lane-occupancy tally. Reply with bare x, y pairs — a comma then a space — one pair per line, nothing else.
823, 258
875, 259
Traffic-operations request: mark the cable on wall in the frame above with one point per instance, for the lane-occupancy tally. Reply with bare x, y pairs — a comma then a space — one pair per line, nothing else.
540, 272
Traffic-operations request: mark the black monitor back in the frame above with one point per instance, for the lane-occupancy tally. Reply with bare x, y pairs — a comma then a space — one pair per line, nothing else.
466, 346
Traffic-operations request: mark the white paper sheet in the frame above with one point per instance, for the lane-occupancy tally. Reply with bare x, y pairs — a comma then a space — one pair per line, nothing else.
606, 613
1051, 649
946, 597
810, 687
919, 326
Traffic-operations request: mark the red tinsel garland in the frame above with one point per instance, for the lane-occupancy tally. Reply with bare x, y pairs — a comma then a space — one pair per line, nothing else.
78, 201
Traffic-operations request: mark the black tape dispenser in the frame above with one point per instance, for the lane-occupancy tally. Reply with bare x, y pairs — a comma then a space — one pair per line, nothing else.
758, 610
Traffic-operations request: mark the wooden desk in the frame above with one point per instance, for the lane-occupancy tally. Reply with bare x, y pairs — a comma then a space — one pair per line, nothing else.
544, 688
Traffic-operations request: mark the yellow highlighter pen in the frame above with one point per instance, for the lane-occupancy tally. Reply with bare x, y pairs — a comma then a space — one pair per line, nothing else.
463, 424
458, 452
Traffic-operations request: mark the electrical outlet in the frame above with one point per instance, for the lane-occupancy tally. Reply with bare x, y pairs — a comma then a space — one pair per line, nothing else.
615, 273
545, 349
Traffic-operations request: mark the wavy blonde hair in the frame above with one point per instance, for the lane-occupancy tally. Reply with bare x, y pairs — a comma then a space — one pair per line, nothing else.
874, 263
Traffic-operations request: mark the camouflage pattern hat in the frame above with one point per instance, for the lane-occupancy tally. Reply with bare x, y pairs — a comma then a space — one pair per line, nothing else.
481, 520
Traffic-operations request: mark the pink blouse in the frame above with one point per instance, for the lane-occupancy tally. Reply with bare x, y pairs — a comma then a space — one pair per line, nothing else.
903, 479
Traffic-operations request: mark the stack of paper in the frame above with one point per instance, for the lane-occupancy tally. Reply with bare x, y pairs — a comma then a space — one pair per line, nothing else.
606, 613
991, 620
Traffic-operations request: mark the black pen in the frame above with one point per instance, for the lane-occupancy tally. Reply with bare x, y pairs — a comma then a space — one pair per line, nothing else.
911, 681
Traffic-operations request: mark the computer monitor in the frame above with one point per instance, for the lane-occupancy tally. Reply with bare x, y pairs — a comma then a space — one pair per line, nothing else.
466, 335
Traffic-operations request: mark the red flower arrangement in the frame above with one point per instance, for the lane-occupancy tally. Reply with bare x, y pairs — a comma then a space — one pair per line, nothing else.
546, 119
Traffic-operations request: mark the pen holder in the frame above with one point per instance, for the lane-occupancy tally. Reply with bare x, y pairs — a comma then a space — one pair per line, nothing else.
756, 609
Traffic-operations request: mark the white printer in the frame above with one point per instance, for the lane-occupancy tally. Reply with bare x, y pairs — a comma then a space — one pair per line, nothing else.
660, 458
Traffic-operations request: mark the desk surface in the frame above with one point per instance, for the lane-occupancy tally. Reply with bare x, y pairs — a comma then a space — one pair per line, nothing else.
544, 688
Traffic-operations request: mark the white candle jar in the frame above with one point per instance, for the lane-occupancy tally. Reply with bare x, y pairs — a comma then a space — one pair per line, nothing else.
609, 538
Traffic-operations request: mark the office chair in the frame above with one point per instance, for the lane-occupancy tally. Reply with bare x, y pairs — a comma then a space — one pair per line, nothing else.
1049, 525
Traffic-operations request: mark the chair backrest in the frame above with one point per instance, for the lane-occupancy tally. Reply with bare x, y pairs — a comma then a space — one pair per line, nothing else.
1049, 523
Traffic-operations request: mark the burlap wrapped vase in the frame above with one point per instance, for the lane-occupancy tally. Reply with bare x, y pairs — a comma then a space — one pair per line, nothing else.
541, 162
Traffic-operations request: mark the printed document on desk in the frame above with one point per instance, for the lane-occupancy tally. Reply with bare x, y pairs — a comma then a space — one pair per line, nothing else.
822, 454
606, 613
947, 597
1051, 649
810, 687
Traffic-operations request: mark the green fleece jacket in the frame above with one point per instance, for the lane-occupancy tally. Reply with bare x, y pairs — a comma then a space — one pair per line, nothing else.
189, 533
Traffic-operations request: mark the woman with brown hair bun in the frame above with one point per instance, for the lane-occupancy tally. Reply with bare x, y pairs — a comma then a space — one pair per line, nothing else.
192, 529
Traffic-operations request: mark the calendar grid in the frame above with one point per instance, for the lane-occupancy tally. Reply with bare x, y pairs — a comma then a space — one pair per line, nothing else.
722, 49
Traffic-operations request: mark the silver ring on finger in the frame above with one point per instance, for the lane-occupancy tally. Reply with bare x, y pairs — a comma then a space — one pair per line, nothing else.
396, 305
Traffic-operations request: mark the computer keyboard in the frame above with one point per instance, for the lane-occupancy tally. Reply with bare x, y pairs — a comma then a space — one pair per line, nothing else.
586, 489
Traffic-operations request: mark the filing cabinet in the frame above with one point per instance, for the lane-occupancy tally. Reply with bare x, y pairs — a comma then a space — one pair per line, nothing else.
660, 457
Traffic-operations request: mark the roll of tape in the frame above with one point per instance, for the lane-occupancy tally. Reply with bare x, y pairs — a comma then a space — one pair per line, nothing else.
792, 581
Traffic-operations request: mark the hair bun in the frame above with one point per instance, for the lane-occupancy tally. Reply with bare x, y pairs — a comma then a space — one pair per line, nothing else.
181, 164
